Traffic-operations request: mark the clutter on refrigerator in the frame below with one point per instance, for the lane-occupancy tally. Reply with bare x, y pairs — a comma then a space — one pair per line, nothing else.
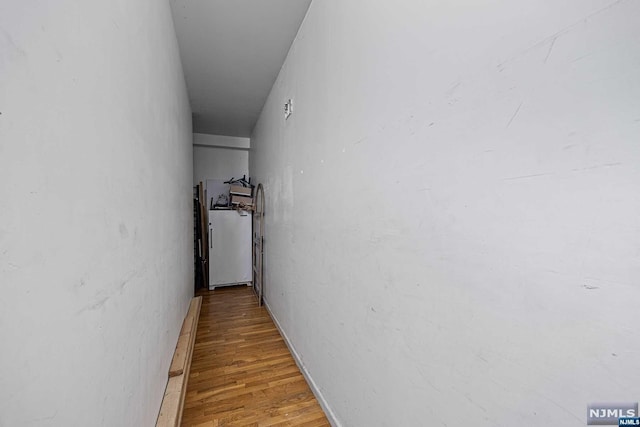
230, 194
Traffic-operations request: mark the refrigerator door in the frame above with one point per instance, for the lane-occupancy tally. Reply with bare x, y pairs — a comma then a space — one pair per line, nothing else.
229, 248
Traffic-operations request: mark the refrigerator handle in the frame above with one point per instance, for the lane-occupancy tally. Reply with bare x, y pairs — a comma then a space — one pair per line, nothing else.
210, 238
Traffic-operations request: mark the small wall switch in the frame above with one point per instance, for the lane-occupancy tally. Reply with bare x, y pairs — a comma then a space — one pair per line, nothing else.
288, 109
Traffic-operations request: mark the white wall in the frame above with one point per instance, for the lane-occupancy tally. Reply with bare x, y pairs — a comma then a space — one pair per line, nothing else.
219, 157
452, 209
209, 140
96, 252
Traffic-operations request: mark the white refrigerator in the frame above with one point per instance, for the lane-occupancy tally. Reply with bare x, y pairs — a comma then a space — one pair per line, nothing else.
229, 248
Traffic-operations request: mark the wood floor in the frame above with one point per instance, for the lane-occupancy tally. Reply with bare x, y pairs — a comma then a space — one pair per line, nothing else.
242, 373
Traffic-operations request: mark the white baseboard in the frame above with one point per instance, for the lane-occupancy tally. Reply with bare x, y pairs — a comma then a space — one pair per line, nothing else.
331, 416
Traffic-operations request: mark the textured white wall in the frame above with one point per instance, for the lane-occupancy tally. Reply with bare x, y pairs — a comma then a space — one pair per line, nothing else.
96, 252
205, 139
452, 209
219, 163
219, 157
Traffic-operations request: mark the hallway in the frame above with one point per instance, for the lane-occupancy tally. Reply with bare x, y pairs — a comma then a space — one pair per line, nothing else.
242, 373
451, 229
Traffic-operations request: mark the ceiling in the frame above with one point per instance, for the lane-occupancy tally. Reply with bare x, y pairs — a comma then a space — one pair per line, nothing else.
232, 51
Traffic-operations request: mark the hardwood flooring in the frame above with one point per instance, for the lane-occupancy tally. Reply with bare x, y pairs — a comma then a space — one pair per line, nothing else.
242, 373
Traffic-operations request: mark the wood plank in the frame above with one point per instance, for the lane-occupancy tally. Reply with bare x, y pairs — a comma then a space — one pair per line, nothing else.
179, 360
187, 325
170, 409
194, 312
173, 402
204, 214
